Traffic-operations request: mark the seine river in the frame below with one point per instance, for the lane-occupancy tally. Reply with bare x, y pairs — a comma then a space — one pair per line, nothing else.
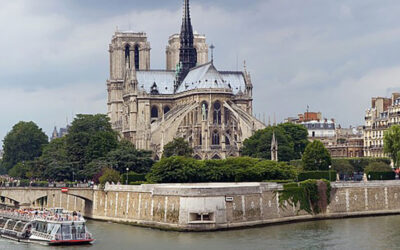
355, 233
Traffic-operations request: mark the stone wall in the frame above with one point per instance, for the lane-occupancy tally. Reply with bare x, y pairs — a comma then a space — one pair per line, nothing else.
213, 206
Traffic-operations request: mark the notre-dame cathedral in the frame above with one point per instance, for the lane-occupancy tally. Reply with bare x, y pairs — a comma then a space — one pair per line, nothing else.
211, 109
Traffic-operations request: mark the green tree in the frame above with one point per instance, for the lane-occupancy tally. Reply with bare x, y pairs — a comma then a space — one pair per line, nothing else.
316, 157
127, 156
124, 156
299, 136
259, 145
24, 142
377, 167
175, 169
21, 170
54, 162
89, 137
391, 144
109, 175
177, 147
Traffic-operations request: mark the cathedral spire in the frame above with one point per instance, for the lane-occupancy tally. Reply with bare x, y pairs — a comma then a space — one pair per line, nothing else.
187, 53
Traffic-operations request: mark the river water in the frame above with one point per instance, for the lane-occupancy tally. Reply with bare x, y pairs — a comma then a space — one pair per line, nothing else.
355, 233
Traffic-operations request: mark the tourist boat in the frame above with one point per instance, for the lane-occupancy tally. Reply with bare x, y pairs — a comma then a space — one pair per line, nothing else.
54, 227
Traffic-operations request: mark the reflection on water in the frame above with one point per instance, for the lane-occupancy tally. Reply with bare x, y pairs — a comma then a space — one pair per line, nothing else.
356, 233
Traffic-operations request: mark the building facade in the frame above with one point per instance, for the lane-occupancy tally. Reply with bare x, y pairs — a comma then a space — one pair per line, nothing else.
211, 109
384, 112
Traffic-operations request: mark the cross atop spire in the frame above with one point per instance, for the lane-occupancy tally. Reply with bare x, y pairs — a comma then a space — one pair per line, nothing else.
187, 53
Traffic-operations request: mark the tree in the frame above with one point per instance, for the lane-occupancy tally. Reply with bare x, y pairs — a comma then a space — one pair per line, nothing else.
127, 156
177, 147
21, 170
89, 137
109, 175
391, 143
24, 142
316, 157
175, 169
54, 161
377, 167
124, 156
299, 136
259, 145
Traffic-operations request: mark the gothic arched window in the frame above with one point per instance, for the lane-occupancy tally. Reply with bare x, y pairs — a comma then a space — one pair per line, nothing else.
154, 112
204, 110
226, 115
200, 139
127, 55
217, 113
215, 138
136, 56
166, 109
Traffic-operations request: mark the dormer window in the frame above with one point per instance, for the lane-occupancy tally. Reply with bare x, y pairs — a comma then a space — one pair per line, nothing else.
154, 89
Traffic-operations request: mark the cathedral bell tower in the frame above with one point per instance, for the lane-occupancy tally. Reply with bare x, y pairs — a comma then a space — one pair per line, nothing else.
187, 52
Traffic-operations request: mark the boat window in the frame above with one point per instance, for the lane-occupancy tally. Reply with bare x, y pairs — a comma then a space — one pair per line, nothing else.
11, 224
50, 227
56, 229
66, 231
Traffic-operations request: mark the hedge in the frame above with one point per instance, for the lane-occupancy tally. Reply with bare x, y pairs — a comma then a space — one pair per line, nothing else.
133, 177
316, 175
358, 164
381, 175
24, 183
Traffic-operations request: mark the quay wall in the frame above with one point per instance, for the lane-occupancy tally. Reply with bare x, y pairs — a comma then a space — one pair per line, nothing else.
214, 206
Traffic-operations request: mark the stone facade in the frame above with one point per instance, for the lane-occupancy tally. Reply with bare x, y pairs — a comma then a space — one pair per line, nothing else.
206, 206
211, 109
172, 50
384, 112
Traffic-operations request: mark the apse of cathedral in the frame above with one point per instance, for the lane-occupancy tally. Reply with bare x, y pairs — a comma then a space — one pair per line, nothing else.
209, 108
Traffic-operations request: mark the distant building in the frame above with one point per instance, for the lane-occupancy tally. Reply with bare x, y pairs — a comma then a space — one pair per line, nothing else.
384, 112
351, 147
60, 133
340, 142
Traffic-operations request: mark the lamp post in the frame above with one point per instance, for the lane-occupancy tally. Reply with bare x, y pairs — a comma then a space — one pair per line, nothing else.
329, 172
127, 176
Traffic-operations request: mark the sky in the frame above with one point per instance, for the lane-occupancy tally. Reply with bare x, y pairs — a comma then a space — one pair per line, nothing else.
332, 56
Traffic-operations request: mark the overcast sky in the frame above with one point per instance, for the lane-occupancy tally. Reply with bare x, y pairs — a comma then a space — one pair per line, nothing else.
331, 55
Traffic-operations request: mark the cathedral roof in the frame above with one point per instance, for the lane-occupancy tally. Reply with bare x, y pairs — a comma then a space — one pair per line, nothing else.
164, 80
204, 76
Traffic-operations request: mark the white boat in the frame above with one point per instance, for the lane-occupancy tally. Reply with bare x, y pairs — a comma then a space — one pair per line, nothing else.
53, 227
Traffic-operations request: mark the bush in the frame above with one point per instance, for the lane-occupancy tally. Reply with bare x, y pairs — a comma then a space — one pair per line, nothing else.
316, 175
40, 184
109, 175
297, 163
133, 177
359, 164
342, 166
377, 167
240, 169
24, 183
381, 175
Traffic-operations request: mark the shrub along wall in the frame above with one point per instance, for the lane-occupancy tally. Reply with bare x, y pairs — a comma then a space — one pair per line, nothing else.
381, 175
180, 169
316, 175
348, 165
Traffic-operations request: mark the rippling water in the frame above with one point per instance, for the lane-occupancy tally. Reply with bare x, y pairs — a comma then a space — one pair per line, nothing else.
356, 233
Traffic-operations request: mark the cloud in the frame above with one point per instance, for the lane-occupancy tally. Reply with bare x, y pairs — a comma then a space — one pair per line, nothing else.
333, 56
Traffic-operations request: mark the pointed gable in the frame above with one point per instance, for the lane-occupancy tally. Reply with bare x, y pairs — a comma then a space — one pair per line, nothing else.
205, 76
